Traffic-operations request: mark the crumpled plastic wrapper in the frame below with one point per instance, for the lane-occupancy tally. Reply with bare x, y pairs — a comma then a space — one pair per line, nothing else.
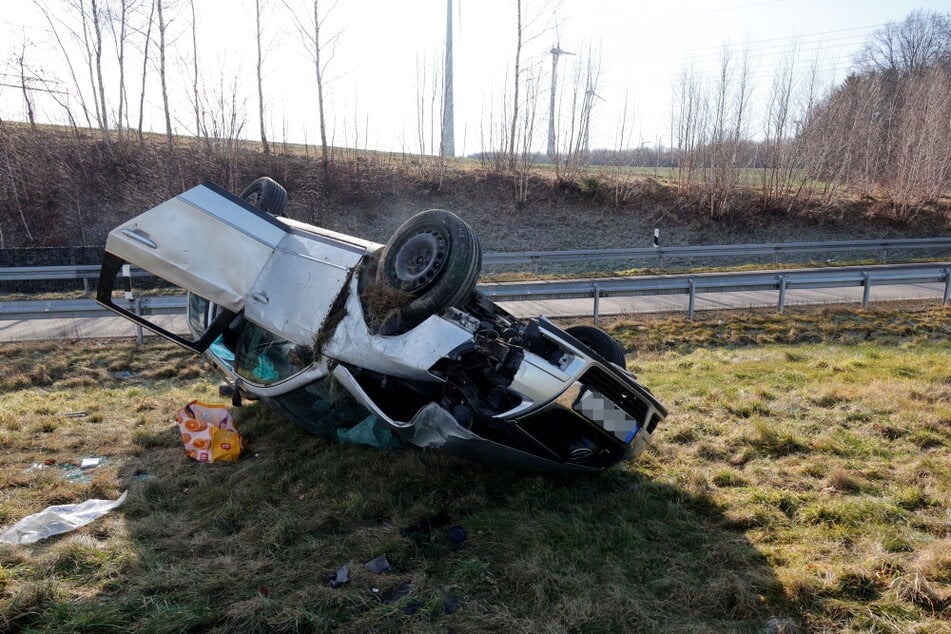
58, 519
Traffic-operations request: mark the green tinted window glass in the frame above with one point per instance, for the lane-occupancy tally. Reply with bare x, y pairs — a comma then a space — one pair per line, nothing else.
264, 358
198, 318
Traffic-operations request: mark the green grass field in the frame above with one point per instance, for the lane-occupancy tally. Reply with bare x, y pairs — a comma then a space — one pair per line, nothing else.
801, 483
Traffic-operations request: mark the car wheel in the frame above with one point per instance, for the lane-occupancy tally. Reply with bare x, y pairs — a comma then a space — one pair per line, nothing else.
267, 195
599, 341
434, 259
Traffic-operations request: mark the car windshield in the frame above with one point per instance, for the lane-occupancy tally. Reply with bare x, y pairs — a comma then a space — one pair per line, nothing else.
264, 358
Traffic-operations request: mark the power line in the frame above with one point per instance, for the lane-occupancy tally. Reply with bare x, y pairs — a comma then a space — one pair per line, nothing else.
788, 38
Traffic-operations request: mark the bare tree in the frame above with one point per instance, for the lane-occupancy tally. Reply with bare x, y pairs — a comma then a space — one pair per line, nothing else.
195, 95
11, 174
224, 121
519, 34
920, 41
260, 64
624, 179
118, 22
689, 121
529, 25
95, 17
885, 129
24, 87
83, 21
526, 131
428, 110
573, 113
321, 49
145, 66
162, 27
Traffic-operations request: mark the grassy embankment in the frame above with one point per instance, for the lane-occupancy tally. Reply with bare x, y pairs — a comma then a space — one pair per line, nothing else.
70, 189
803, 478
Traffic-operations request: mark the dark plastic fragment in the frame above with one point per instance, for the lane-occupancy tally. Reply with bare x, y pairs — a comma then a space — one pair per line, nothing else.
427, 524
379, 565
340, 577
457, 534
395, 594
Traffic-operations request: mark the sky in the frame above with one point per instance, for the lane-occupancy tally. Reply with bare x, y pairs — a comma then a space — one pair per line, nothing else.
387, 58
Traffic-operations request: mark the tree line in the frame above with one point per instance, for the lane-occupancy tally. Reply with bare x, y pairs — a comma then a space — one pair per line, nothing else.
883, 132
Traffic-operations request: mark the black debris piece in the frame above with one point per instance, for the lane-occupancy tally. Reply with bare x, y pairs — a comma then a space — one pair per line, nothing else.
457, 534
427, 524
379, 565
340, 577
395, 594
451, 605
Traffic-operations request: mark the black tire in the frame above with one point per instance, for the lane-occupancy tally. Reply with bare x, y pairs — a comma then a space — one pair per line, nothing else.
435, 257
267, 195
599, 341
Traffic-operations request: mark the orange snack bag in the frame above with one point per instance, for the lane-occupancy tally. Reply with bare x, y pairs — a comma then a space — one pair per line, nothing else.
208, 432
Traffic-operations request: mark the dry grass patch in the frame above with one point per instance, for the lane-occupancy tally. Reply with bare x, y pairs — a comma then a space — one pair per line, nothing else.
803, 484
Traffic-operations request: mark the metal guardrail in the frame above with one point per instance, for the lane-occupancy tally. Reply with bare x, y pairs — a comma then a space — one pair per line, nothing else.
83, 272
775, 249
691, 285
596, 289
88, 272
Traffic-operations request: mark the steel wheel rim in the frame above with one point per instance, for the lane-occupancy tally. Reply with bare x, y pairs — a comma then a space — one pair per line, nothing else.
420, 259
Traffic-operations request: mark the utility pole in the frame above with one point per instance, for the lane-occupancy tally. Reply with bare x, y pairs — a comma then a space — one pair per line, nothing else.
447, 143
555, 52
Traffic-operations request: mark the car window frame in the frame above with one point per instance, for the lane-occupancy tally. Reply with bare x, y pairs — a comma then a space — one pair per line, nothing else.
112, 266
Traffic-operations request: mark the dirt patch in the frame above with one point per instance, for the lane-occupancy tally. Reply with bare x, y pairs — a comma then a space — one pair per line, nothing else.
382, 304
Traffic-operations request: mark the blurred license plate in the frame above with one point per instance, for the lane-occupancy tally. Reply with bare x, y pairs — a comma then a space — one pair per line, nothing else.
613, 419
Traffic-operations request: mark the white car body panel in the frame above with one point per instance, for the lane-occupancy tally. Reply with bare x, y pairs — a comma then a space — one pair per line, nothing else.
299, 262
409, 354
188, 245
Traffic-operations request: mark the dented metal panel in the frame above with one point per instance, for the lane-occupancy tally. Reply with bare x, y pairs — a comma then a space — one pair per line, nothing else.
199, 238
298, 286
410, 354
345, 378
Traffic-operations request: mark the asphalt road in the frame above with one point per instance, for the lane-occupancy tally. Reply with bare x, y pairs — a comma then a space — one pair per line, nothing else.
93, 327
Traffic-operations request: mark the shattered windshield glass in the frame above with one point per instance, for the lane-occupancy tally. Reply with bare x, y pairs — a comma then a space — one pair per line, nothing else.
264, 358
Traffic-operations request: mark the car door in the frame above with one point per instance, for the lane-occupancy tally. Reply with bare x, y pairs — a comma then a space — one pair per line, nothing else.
236, 257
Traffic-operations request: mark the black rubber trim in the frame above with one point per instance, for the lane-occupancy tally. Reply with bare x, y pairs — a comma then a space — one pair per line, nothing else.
263, 215
111, 266
276, 221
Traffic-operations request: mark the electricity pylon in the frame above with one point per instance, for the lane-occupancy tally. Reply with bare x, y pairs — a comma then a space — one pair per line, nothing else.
447, 142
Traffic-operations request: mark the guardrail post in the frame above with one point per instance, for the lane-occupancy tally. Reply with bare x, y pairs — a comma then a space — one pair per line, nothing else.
135, 305
947, 287
139, 334
782, 294
597, 302
867, 290
691, 300
85, 285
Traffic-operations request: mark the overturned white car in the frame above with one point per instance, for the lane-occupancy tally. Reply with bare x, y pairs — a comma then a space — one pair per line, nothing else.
292, 312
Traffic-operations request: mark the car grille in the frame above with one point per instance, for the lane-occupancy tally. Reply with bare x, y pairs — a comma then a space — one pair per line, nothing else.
635, 406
